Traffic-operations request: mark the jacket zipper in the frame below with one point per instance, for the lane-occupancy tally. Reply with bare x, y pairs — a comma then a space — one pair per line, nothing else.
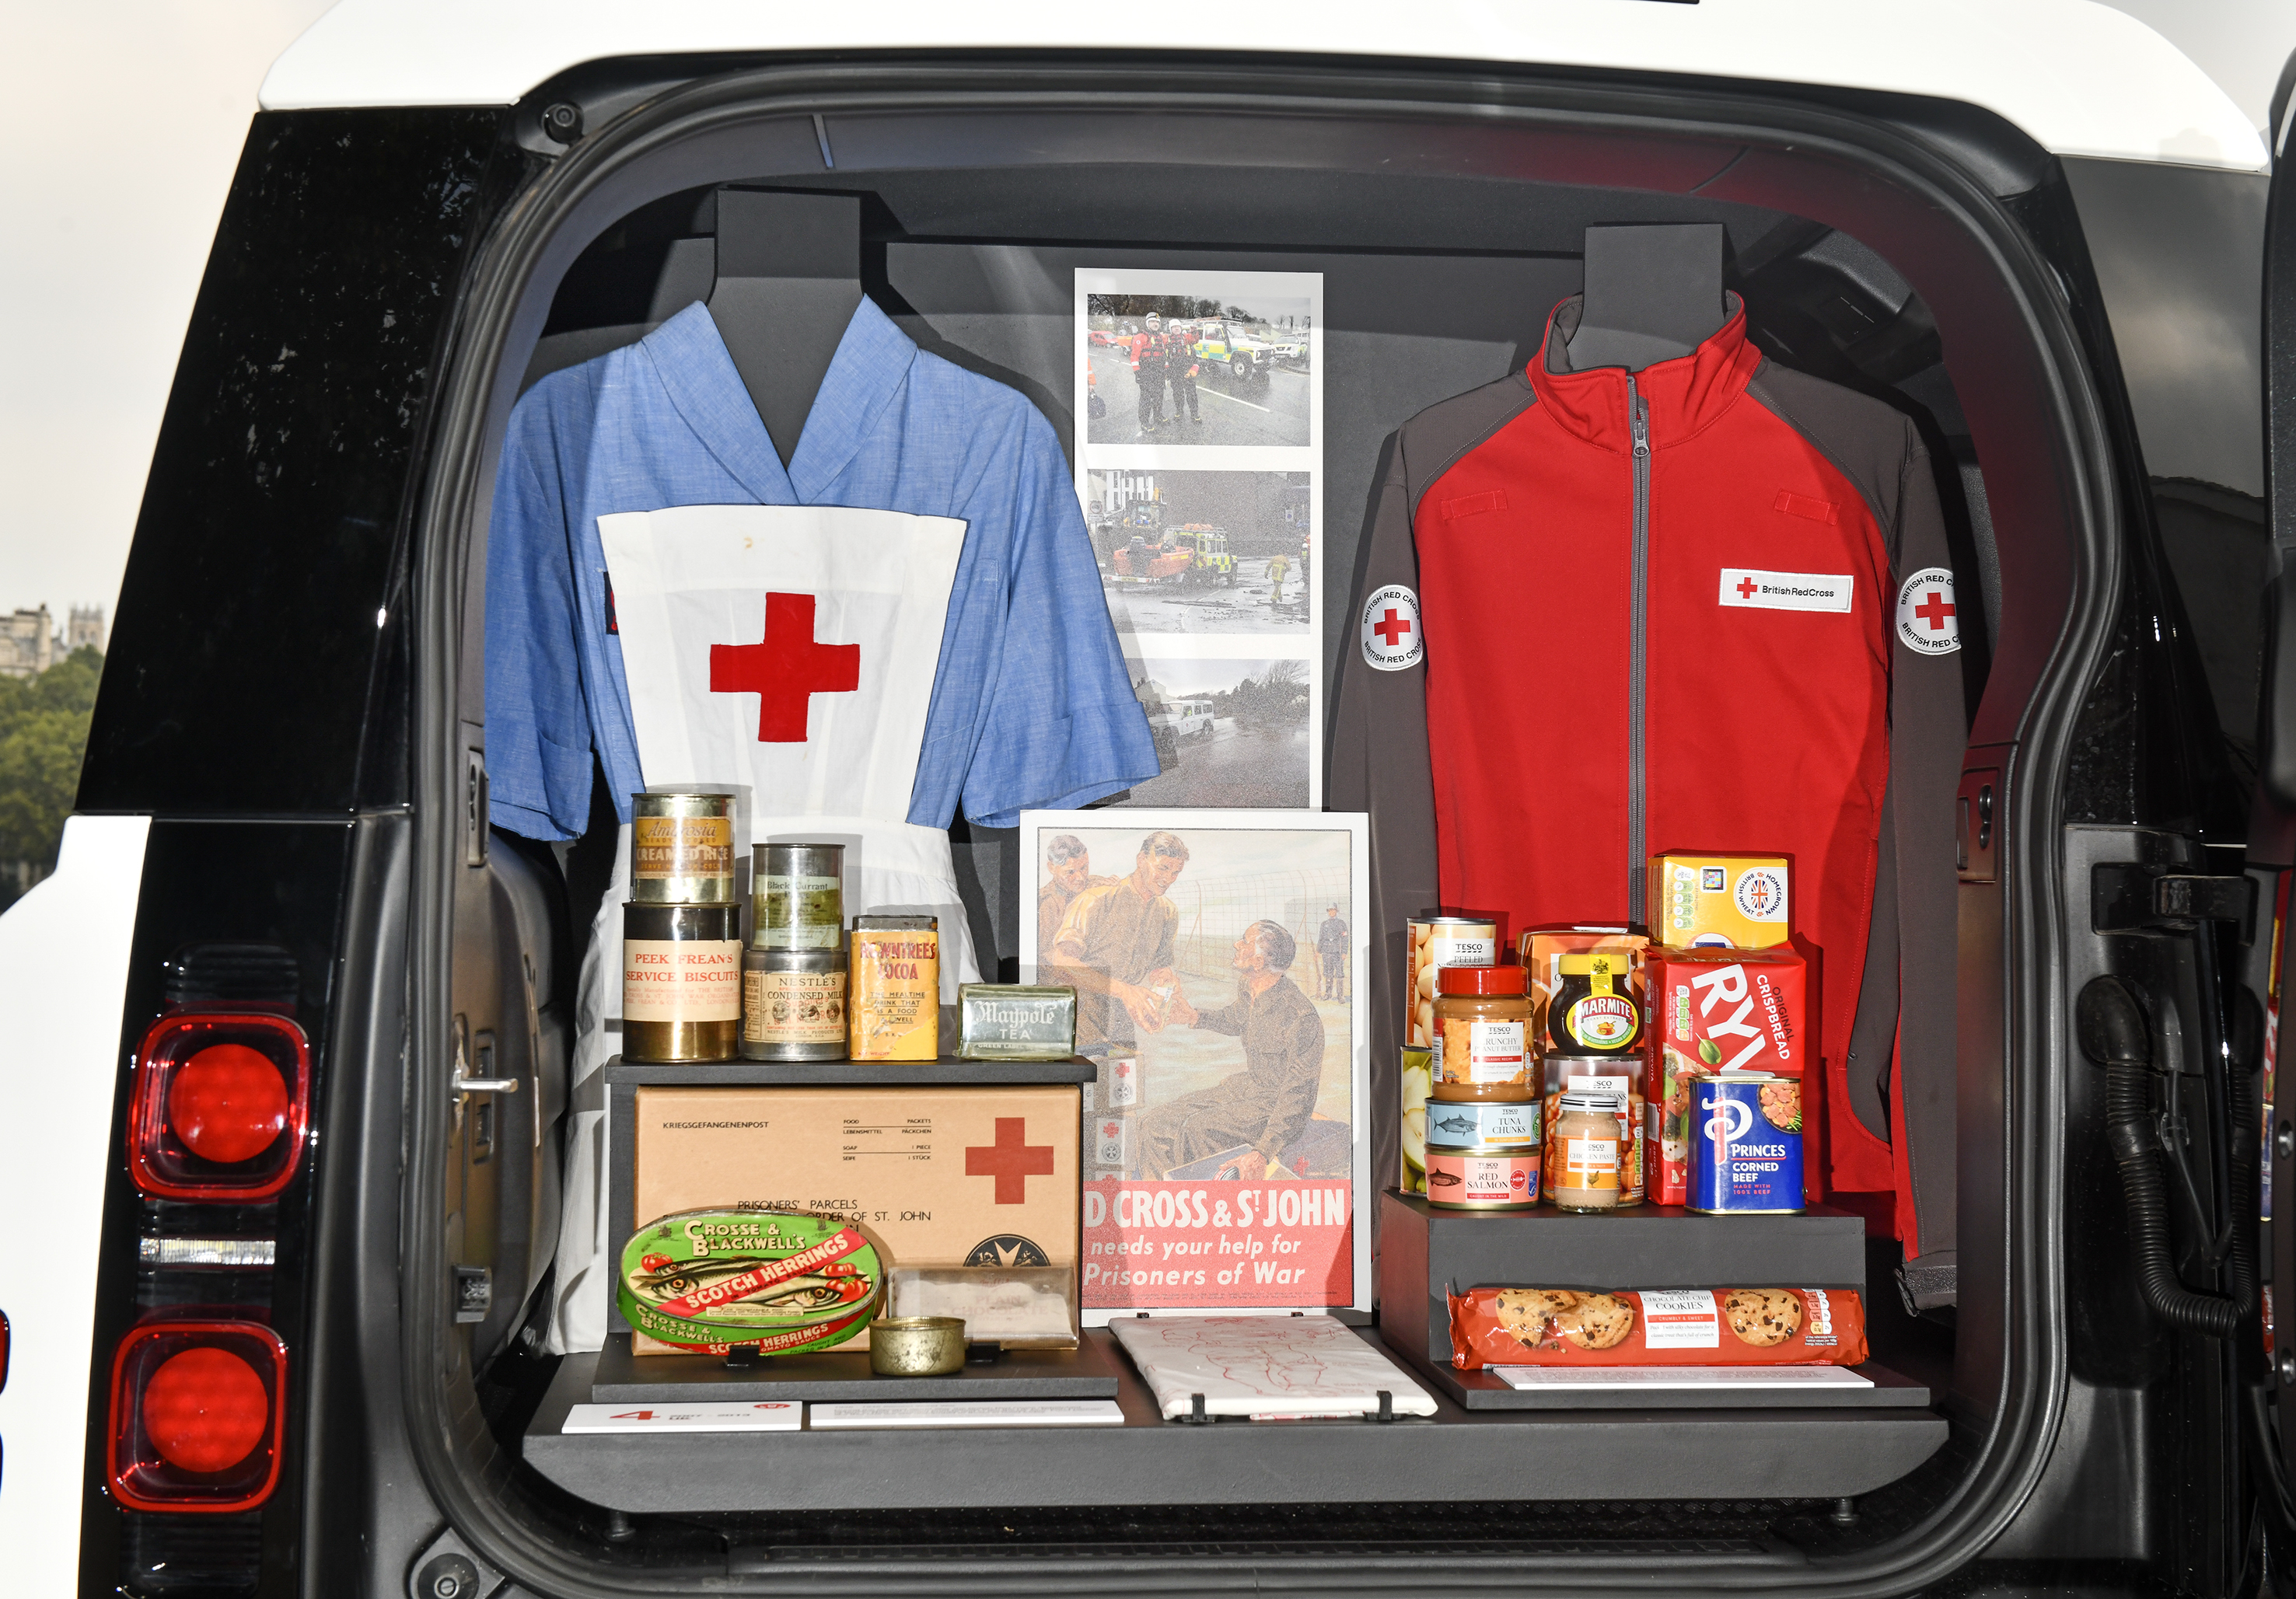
1638, 419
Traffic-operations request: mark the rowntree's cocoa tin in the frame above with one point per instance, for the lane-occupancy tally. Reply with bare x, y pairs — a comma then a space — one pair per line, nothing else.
682, 848
776, 1279
681, 982
1482, 1124
893, 1003
1430, 944
1745, 1145
1486, 1177
792, 1005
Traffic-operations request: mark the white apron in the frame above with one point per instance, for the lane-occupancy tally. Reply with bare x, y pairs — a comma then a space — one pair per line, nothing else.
814, 724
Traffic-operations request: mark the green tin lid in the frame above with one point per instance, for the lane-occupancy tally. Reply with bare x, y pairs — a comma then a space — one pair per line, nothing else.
778, 1279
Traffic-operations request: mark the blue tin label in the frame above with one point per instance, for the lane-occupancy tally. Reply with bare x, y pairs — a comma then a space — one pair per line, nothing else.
1741, 1159
1483, 1123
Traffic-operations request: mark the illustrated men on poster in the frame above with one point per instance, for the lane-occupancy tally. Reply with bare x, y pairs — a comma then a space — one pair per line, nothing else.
1268, 1104
1068, 873
1331, 955
1115, 946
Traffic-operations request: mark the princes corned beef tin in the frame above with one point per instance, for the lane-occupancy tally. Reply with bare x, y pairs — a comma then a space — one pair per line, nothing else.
1746, 1153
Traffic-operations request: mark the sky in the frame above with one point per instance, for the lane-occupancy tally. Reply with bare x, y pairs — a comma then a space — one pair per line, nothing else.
118, 139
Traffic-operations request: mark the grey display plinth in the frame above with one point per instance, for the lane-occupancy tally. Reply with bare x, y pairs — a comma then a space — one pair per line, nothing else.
1424, 1252
1456, 1455
622, 1378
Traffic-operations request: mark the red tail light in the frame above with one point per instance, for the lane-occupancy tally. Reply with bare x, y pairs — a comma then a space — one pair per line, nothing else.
221, 1103
197, 1416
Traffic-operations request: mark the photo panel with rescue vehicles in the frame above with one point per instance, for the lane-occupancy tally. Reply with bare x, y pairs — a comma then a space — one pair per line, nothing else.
1216, 957
1200, 472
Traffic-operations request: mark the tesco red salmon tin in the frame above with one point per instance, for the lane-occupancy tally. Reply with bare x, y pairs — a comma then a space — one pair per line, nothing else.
1715, 1010
1486, 1177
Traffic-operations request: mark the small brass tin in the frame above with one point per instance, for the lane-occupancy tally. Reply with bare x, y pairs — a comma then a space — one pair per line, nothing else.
916, 1346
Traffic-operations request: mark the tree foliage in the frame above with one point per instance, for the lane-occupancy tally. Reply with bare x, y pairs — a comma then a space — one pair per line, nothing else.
42, 737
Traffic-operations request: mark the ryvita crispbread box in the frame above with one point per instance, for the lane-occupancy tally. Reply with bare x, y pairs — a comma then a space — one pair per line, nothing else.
937, 1176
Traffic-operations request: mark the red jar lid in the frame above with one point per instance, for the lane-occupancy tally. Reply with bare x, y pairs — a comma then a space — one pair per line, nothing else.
1480, 980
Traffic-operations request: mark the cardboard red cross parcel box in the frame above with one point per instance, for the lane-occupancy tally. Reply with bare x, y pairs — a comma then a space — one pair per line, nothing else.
937, 1175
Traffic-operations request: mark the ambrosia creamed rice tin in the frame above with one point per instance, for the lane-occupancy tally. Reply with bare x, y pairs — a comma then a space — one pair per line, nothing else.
682, 848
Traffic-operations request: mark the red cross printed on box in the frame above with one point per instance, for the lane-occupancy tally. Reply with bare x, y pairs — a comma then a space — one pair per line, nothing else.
1011, 1161
785, 670
1746, 586
1393, 626
1934, 610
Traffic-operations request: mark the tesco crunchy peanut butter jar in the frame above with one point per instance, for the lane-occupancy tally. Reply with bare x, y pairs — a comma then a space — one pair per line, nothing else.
1481, 1048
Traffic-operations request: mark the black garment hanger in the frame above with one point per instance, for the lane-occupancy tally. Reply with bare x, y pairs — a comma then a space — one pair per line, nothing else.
1652, 294
789, 280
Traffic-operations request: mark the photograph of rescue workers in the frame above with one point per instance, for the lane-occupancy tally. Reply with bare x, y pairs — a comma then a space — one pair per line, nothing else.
1203, 551
1228, 731
1176, 369
1215, 989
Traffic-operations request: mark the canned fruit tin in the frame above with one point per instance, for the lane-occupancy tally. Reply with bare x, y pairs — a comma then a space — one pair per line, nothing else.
681, 982
1486, 1178
682, 848
1724, 901
1418, 1077
777, 1279
1715, 1010
793, 1005
1430, 944
1483, 1124
796, 896
1745, 1153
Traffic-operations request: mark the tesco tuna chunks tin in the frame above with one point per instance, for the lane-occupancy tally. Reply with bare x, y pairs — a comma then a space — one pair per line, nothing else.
1745, 1151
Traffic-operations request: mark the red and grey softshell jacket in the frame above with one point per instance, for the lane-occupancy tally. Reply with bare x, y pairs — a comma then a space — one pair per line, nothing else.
1706, 606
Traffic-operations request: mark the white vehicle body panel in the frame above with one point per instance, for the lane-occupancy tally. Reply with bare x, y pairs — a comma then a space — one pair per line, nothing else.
2080, 78
64, 950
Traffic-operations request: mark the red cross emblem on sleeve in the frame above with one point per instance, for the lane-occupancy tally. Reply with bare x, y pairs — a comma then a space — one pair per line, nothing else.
785, 670
1934, 610
1011, 1161
1746, 586
1393, 626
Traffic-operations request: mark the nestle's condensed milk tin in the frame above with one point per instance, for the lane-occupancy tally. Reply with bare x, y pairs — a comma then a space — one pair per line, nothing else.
1431, 943
1744, 1158
682, 848
1483, 1124
1486, 1177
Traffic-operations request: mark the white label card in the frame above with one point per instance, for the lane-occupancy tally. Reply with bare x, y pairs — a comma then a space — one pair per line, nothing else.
1680, 1319
971, 1413
1787, 591
717, 1415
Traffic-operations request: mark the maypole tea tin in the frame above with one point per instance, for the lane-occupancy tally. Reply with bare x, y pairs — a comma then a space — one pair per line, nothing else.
682, 848
792, 1005
796, 896
777, 1279
681, 982
1745, 1148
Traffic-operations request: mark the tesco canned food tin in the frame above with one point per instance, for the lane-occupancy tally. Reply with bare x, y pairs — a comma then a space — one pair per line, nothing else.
1743, 1160
1431, 943
1482, 1124
1485, 1178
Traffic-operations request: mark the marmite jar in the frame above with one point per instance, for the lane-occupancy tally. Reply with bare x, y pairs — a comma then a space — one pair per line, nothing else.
1594, 1010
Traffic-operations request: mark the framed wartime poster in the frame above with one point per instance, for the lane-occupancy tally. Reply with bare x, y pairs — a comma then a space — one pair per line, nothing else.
1216, 959
1199, 400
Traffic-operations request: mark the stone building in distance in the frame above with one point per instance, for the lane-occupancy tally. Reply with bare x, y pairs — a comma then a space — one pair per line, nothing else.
29, 642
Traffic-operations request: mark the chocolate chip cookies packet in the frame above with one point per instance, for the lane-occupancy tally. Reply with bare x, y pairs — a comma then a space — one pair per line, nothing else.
779, 1280
1657, 1326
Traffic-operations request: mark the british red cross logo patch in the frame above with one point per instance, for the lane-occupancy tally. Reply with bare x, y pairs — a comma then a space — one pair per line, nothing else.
785, 670
1929, 622
1391, 637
